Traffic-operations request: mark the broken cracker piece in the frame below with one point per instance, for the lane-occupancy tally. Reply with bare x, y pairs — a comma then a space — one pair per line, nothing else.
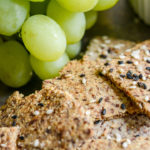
8, 138
132, 74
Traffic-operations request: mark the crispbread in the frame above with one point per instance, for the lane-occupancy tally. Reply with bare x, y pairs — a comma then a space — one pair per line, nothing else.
99, 96
132, 74
99, 144
48, 119
105, 48
128, 127
8, 137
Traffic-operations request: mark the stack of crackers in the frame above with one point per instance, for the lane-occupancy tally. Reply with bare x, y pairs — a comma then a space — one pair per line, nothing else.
101, 102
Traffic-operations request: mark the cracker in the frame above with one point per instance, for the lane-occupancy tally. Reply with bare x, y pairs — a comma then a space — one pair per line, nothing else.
132, 74
105, 48
99, 95
98, 144
48, 119
8, 137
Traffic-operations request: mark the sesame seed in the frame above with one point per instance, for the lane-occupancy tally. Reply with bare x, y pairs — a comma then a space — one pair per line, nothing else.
36, 113
118, 137
88, 112
144, 78
140, 68
121, 70
120, 62
132, 87
92, 100
49, 111
84, 81
128, 141
148, 68
140, 76
146, 98
103, 56
97, 122
13, 123
148, 61
129, 62
21, 137
103, 112
125, 145
136, 63
128, 50
108, 137
135, 77
129, 75
36, 143
14, 117
3, 145
41, 104
107, 64
100, 100
134, 83
142, 85
42, 145
136, 54
82, 75
107, 41
121, 56
123, 106
122, 76
111, 70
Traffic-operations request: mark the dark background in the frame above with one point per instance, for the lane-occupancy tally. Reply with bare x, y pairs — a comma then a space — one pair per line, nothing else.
120, 22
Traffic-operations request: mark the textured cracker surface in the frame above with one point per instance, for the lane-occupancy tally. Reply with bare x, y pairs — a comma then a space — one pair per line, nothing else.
104, 46
8, 137
99, 144
82, 80
135, 81
61, 122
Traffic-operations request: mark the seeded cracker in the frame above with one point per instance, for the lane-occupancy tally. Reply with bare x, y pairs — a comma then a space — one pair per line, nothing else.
8, 137
132, 74
105, 48
48, 119
98, 144
99, 96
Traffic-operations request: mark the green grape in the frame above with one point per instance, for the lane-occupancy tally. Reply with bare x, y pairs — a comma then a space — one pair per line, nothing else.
72, 23
44, 38
105, 4
78, 5
15, 68
12, 15
47, 70
39, 7
1, 40
73, 50
37, 0
91, 18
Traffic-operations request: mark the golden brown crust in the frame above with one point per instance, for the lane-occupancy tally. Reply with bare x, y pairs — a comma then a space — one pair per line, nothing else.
8, 137
132, 74
48, 119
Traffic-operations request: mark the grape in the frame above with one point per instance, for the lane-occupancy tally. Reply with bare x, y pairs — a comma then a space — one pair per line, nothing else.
12, 15
39, 7
37, 0
72, 23
91, 17
105, 4
15, 68
47, 70
78, 5
44, 38
1, 40
73, 50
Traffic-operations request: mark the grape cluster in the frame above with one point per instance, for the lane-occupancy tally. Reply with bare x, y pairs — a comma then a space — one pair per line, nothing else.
48, 34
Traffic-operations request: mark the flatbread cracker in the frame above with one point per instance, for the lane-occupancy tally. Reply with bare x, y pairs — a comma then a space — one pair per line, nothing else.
99, 95
47, 119
99, 144
8, 138
105, 48
132, 74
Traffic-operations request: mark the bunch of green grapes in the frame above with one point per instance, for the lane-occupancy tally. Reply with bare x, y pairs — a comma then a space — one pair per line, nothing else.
49, 34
